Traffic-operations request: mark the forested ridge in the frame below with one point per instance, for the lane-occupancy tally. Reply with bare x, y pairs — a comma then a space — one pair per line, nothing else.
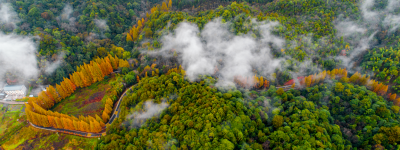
326, 76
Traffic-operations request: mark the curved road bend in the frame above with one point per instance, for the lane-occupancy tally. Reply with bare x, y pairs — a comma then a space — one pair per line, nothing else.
115, 115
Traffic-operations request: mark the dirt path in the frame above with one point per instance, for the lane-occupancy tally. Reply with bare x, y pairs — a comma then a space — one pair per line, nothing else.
12, 102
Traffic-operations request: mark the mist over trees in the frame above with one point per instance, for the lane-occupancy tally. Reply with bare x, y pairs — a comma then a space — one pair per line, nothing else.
249, 74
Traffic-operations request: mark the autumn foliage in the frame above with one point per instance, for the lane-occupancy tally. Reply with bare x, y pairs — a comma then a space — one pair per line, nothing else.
135, 31
86, 74
251, 82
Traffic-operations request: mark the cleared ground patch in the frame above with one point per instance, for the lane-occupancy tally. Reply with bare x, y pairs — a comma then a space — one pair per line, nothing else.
85, 101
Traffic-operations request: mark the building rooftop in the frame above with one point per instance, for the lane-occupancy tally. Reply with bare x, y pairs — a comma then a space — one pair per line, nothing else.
13, 87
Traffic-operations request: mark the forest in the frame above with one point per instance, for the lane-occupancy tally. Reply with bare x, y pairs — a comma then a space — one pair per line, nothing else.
201, 74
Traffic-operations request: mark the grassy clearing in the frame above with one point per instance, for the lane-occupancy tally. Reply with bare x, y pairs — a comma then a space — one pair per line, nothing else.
81, 102
11, 122
14, 108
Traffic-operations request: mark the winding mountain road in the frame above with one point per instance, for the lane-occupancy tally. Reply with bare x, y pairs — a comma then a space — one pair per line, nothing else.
115, 114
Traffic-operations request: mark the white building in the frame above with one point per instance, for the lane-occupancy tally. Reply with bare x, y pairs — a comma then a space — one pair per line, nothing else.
15, 91
2, 95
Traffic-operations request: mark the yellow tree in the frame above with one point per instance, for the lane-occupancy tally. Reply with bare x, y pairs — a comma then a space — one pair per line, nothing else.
104, 68
52, 91
32, 100
108, 108
112, 61
44, 98
52, 121
123, 63
139, 27
116, 61
64, 123
52, 100
170, 4
88, 74
393, 97
78, 80
71, 124
30, 114
109, 102
76, 124
105, 116
71, 77
85, 81
98, 73
71, 85
59, 123
98, 119
164, 7
134, 32
128, 37
66, 87
84, 126
61, 91
261, 83
44, 120
97, 126
93, 73
108, 65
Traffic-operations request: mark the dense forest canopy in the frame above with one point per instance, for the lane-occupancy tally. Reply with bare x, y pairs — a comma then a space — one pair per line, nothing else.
248, 74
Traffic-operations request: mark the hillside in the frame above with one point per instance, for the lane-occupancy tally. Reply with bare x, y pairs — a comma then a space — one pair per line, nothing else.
250, 74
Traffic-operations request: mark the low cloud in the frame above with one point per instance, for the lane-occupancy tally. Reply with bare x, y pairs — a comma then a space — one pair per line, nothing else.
50, 67
361, 34
101, 24
18, 53
66, 21
8, 16
150, 110
216, 47
67, 11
